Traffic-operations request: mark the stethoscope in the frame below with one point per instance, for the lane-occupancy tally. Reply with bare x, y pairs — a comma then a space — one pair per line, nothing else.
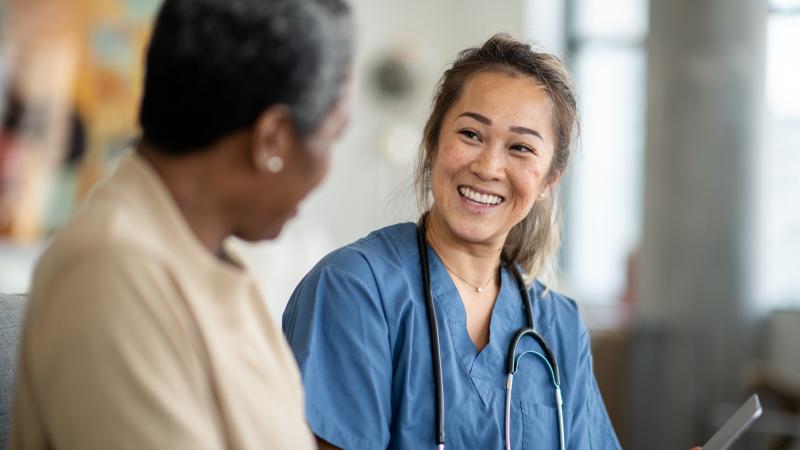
512, 361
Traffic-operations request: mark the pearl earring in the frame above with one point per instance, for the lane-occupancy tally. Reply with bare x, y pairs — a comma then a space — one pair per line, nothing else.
272, 163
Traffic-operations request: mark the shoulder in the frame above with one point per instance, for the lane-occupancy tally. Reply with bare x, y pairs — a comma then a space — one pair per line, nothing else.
107, 234
129, 212
362, 276
97, 276
383, 251
560, 314
553, 299
92, 260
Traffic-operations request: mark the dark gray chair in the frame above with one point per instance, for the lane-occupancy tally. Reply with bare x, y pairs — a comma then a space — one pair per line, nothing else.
12, 310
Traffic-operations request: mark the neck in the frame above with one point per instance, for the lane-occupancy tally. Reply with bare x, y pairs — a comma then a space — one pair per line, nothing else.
192, 183
474, 261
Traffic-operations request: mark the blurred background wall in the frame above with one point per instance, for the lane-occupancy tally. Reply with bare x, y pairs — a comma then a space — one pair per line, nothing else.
682, 218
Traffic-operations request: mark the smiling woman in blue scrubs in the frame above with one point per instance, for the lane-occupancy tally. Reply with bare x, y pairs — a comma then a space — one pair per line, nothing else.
493, 151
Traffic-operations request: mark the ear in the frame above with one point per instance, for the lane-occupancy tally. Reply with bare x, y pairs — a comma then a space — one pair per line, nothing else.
551, 184
273, 139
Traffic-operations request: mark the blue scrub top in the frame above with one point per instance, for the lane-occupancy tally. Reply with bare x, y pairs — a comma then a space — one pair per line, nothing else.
358, 326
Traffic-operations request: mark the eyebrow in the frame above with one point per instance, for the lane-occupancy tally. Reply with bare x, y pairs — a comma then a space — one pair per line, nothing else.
523, 130
516, 129
482, 119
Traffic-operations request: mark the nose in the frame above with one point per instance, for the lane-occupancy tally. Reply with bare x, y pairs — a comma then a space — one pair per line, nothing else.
489, 164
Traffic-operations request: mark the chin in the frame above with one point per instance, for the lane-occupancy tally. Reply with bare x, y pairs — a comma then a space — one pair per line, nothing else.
273, 232
271, 235
262, 235
473, 231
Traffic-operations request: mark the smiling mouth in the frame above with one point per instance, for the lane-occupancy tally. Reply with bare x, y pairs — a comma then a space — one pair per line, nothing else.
477, 197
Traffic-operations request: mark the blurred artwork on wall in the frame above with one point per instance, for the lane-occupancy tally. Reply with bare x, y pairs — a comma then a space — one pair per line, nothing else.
70, 78
396, 79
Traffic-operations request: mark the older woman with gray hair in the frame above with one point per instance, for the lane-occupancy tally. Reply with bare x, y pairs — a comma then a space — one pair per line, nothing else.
144, 330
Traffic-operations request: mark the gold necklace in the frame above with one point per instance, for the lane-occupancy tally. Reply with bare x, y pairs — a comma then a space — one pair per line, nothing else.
478, 288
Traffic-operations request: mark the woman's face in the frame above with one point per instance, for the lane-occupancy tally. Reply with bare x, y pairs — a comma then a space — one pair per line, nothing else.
494, 152
305, 164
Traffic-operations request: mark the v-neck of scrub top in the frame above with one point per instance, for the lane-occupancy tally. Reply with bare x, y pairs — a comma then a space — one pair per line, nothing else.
481, 366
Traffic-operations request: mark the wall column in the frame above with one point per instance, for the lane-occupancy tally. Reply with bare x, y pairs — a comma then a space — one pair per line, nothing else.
705, 94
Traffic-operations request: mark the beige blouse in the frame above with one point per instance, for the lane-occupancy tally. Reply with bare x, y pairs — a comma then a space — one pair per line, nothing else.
137, 337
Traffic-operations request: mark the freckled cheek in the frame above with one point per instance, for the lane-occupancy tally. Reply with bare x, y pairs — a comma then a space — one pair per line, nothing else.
524, 186
446, 165
450, 160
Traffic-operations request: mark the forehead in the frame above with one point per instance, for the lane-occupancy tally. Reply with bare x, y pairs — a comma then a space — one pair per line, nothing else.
507, 99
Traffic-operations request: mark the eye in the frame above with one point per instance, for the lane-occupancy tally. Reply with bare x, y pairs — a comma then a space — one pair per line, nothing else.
523, 149
470, 134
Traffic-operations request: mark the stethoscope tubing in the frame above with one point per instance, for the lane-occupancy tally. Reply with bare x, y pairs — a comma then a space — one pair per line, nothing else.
511, 361
433, 326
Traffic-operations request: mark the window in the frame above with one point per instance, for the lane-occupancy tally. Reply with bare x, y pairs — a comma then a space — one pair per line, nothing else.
778, 249
606, 53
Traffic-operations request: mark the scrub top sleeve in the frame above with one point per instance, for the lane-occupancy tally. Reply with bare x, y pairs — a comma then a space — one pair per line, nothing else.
591, 426
336, 327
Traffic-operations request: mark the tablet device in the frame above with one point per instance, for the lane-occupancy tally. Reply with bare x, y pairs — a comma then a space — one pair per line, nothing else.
735, 426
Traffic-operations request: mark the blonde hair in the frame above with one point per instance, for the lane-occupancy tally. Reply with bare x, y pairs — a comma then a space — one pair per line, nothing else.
532, 243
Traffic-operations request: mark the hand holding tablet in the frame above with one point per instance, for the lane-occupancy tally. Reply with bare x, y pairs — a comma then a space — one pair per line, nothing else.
735, 426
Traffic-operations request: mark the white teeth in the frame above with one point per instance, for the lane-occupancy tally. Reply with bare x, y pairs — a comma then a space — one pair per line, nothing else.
486, 199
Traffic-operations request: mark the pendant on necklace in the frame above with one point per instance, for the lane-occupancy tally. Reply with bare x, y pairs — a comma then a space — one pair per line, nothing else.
479, 289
